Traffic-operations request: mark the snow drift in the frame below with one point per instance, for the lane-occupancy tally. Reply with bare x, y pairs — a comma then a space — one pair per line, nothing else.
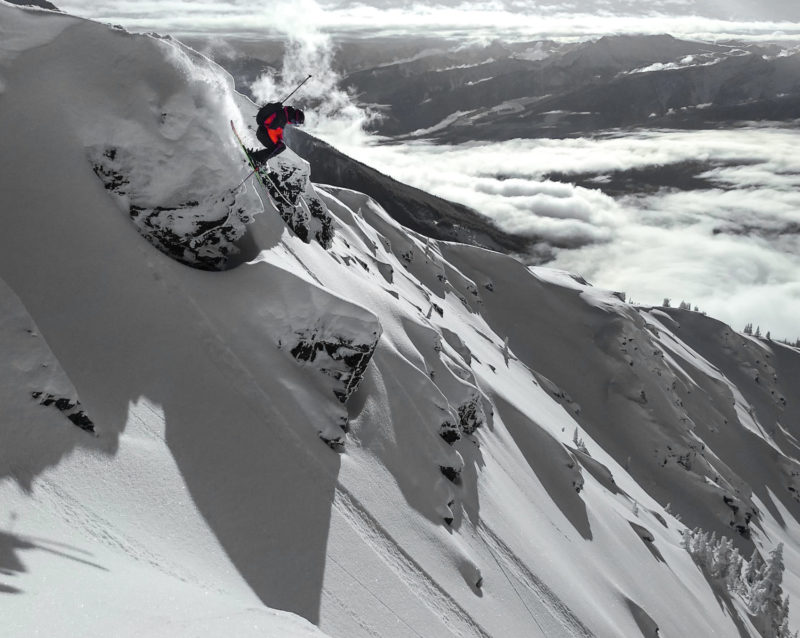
510, 452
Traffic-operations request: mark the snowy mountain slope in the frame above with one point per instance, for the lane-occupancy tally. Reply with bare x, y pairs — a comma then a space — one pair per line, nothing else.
461, 500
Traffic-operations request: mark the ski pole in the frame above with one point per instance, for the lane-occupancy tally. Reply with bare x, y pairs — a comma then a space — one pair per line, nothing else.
249, 175
297, 89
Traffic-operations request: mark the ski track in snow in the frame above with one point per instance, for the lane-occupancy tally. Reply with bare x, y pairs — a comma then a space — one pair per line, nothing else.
77, 514
457, 620
347, 609
552, 606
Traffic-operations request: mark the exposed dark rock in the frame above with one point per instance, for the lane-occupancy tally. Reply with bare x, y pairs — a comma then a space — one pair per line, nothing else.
452, 474
336, 444
112, 180
298, 207
214, 224
741, 515
470, 415
324, 235
342, 359
450, 432
82, 421
64, 404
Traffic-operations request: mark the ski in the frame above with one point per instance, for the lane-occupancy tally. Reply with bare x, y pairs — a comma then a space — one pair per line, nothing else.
262, 176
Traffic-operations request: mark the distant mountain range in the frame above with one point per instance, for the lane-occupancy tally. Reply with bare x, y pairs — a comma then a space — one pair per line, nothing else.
434, 89
551, 90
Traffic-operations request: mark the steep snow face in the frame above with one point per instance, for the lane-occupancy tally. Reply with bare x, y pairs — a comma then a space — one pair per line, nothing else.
503, 443
164, 148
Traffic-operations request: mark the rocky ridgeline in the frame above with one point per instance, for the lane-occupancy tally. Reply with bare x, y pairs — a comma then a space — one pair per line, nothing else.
297, 202
334, 338
201, 230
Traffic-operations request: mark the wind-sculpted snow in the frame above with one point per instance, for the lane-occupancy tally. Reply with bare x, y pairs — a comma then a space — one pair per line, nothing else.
199, 233
518, 453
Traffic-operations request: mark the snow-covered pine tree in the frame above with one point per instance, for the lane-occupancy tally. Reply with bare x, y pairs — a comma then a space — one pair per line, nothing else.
733, 579
578, 441
753, 572
708, 554
721, 555
766, 597
686, 540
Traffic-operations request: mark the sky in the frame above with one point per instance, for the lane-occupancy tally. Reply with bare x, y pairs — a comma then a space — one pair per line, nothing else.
753, 19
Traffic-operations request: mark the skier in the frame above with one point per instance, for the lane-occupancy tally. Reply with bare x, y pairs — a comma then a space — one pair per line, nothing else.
272, 118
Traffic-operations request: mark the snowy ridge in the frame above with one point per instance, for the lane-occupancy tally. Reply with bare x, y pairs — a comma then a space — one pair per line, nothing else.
505, 440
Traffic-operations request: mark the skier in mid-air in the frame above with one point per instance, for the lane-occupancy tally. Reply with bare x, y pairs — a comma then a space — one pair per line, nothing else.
272, 118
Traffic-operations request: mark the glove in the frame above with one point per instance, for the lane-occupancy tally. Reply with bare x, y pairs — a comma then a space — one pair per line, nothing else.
295, 116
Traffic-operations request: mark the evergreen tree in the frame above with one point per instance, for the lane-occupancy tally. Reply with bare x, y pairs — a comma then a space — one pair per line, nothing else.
578, 441
754, 567
708, 553
721, 558
766, 597
686, 541
733, 578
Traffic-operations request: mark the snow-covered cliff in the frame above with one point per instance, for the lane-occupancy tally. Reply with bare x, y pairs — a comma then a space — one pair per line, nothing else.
383, 434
